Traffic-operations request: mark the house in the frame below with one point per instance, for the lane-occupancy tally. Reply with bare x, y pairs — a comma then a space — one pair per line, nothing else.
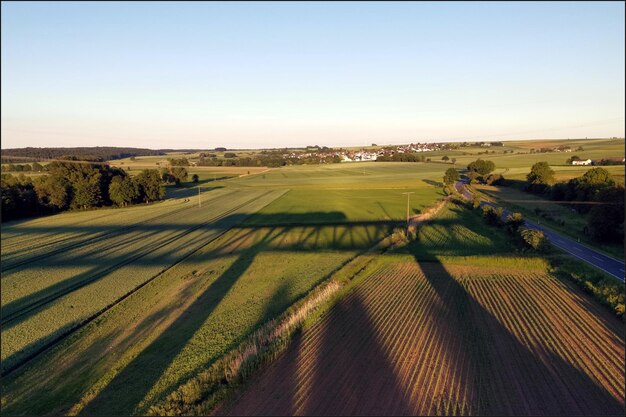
581, 162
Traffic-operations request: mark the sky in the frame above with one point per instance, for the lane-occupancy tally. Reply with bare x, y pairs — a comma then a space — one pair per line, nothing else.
277, 74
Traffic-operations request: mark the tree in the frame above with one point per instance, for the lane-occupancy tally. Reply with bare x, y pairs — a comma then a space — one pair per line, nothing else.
572, 159
230, 155
492, 215
87, 192
196, 178
124, 191
597, 176
591, 183
540, 177
53, 191
453, 161
179, 174
445, 158
513, 222
606, 220
534, 238
493, 179
451, 176
473, 176
151, 187
482, 167
37, 167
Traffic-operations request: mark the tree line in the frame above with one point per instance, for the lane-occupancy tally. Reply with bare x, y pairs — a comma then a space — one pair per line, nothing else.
603, 198
68, 185
98, 153
34, 167
269, 160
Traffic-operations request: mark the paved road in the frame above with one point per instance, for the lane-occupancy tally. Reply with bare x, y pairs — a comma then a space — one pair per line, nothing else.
601, 261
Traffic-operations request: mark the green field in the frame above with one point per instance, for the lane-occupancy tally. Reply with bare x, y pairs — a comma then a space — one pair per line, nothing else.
210, 296
109, 310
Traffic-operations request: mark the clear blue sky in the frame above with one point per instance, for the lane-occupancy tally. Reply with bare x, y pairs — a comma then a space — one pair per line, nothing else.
243, 75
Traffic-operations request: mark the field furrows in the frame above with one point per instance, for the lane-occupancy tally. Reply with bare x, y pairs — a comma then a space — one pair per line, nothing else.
60, 304
85, 262
427, 339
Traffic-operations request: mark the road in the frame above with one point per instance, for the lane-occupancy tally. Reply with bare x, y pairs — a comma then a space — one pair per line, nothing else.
594, 258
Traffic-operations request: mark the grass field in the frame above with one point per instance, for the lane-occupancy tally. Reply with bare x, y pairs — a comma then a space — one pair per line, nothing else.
223, 277
107, 311
437, 329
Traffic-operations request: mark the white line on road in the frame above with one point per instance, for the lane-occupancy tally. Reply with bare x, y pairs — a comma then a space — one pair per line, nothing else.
595, 257
621, 270
578, 249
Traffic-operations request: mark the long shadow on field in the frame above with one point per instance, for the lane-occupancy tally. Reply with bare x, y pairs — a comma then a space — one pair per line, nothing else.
347, 236
191, 189
342, 370
357, 381
125, 393
504, 376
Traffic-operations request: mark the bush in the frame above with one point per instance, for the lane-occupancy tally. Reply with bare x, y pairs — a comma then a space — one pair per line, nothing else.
513, 222
494, 179
492, 215
534, 239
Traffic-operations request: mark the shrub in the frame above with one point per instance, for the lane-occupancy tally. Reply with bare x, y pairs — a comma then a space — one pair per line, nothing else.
534, 239
513, 222
492, 215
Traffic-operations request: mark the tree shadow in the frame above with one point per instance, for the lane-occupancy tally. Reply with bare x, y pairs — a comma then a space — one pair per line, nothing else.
138, 377
343, 371
189, 190
433, 183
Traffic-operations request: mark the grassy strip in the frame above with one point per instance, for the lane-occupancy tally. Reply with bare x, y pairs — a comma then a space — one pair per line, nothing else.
602, 287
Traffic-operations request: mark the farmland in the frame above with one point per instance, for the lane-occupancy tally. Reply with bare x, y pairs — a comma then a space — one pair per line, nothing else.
208, 276
425, 332
108, 311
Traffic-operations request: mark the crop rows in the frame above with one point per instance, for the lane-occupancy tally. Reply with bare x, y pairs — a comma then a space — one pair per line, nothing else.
433, 340
36, 239
88, 279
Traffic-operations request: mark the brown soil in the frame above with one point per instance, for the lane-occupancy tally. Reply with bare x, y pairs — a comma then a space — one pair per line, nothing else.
428, 339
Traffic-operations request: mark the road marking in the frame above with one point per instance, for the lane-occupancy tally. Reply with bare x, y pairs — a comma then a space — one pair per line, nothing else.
578, 249
595, 257
621, 270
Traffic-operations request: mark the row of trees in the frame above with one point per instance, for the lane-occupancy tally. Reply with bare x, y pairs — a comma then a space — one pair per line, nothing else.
98, 153
269, 160
595, 193
35, 167
76, 186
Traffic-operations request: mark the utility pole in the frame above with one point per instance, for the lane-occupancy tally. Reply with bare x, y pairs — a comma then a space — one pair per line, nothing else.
408, 196
199, 201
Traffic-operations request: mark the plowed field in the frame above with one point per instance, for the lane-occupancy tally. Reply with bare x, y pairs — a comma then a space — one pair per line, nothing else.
428, 339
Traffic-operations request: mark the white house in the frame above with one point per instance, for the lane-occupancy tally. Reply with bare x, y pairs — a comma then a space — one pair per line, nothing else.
581, 162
